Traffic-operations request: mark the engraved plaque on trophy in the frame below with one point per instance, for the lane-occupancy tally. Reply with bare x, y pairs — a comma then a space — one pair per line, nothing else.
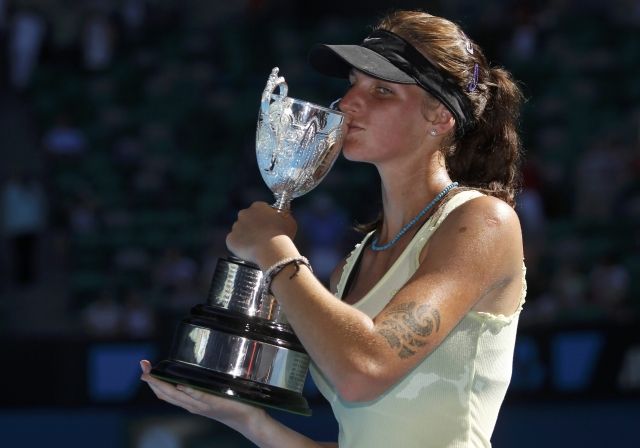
239, 344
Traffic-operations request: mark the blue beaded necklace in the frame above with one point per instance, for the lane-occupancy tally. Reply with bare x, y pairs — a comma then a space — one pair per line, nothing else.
374, 243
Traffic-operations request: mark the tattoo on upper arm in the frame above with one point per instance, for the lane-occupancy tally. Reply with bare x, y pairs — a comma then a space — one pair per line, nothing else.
407, 326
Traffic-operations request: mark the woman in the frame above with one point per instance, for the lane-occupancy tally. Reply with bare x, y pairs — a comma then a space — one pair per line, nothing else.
413, 345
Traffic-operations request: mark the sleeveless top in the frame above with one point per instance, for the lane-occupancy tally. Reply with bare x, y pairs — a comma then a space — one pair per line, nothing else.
452, 398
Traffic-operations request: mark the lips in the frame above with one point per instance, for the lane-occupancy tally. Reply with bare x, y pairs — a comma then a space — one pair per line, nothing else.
353, 127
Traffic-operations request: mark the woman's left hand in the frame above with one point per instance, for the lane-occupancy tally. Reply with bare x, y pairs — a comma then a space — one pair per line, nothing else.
232, 413
262, 235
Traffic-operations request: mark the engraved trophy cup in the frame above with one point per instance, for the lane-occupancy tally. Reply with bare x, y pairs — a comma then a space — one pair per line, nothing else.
239, 344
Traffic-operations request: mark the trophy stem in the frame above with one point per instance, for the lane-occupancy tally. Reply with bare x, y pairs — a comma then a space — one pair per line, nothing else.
283, 202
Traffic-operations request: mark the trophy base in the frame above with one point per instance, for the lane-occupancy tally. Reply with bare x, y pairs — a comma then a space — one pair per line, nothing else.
228, 386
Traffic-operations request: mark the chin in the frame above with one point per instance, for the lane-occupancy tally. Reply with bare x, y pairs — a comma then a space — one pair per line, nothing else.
360, 154
353, 157
354, 153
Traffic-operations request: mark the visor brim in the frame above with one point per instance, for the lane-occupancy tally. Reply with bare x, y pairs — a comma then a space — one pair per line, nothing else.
337, 61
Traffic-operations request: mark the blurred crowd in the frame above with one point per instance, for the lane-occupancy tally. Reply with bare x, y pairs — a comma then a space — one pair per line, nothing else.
127, 133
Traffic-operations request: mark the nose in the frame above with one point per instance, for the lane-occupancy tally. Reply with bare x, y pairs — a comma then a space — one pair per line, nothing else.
351, 102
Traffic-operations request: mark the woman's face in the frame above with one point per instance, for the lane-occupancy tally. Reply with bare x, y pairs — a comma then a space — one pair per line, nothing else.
386, 119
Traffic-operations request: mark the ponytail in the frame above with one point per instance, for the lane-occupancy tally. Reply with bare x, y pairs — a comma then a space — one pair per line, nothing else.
487, 157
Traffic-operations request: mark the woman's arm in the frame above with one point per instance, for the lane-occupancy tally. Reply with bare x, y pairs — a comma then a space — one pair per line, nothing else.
475, 257
252, 422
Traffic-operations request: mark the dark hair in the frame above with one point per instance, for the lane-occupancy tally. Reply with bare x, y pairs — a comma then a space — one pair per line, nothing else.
487, 156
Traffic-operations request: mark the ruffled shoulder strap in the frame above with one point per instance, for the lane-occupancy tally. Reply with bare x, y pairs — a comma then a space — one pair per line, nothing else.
350, 262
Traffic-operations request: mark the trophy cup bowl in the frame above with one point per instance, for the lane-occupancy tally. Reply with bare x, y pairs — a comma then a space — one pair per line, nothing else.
297, 142
239, 344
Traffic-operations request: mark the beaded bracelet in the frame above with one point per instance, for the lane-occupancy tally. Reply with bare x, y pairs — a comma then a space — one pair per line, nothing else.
269, 274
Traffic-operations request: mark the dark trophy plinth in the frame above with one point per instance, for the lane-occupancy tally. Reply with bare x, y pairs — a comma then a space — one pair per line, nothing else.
239, 344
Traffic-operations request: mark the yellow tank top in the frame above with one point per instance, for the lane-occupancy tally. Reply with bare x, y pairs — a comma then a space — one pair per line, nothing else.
452, 398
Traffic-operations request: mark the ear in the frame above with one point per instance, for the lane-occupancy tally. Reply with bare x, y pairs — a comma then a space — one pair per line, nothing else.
444, 121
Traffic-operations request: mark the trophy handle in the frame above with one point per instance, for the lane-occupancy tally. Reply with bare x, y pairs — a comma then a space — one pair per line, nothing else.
273, 82
271, 106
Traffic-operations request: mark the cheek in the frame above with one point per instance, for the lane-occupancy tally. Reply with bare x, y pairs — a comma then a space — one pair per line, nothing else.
389, 132
402, 131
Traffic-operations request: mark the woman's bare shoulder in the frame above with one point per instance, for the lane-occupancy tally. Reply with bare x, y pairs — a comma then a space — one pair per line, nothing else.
493, 210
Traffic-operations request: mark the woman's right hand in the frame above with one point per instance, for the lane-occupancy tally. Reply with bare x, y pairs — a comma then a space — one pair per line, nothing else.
232, 413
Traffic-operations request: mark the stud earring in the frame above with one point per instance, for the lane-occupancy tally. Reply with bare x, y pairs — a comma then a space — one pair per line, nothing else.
433, 132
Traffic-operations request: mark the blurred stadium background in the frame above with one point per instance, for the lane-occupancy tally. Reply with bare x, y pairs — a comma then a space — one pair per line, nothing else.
127, 134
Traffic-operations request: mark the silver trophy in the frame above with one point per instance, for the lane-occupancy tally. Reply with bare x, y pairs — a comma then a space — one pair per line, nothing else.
296, 142
239, 344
